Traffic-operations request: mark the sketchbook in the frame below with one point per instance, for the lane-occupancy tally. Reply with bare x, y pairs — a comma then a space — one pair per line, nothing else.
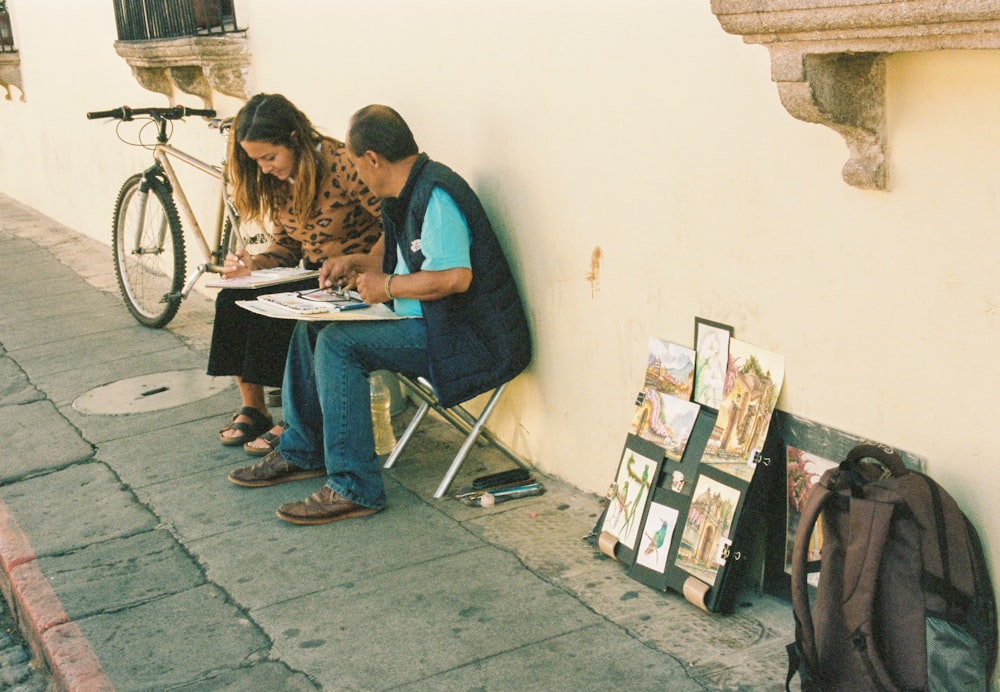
259, 278
292, 306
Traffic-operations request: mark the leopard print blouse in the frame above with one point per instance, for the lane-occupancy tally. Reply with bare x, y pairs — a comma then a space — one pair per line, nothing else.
345, 218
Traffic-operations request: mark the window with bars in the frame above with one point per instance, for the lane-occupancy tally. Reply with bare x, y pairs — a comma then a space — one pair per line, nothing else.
144, 20
6, 35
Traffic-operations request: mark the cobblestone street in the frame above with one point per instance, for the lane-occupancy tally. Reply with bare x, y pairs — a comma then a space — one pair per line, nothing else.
17, 671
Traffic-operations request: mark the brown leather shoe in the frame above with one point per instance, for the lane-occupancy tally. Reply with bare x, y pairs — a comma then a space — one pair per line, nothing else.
322, 507
272, 470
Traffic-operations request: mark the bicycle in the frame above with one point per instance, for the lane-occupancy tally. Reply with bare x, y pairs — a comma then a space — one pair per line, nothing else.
146, 232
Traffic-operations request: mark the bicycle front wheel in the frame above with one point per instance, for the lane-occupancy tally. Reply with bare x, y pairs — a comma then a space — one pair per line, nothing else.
148, 246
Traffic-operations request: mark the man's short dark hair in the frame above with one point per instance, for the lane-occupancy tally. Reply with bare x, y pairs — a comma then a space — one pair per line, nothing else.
382, 130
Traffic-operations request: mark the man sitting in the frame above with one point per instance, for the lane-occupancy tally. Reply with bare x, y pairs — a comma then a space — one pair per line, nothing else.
442, 266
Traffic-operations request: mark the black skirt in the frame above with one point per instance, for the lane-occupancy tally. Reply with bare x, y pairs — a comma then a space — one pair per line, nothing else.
251, 346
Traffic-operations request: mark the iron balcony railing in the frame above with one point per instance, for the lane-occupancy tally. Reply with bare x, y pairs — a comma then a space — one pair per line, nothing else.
143, 20
6, 35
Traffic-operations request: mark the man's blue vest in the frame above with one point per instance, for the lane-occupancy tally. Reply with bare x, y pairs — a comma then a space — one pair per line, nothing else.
476, 340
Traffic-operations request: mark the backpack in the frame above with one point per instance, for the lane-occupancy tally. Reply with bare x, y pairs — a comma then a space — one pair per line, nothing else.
904, 599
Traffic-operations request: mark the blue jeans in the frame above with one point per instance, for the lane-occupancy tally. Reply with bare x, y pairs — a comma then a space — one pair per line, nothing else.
326, 401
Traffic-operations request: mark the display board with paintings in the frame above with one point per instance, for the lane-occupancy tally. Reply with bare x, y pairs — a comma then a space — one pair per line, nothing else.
689, 494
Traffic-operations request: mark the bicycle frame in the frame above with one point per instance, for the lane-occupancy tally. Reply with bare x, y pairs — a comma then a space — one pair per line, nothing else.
162, 153
152, 212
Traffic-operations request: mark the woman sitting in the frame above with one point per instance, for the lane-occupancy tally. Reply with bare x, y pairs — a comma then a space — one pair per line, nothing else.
283, 171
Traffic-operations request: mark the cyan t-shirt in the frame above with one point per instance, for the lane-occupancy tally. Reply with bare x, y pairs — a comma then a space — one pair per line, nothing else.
445, 241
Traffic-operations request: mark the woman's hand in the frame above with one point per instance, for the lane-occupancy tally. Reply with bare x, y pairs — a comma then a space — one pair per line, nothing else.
239, 263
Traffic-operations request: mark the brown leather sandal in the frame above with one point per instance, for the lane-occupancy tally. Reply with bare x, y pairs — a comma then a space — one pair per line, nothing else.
269, 438
259, 424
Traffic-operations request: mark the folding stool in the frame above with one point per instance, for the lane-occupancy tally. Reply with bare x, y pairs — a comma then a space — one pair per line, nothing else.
474, 427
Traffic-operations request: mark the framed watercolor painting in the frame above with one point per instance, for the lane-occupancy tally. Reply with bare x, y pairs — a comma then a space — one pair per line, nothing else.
711, 344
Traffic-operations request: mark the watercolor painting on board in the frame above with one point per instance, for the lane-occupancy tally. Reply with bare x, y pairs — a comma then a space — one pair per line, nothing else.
665, 421
753, 383
705, 539
670, 368
628, 495
657, 535
804, 471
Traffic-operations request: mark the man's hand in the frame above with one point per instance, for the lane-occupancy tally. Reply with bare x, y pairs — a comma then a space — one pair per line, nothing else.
342, 271
338, 272
371, 287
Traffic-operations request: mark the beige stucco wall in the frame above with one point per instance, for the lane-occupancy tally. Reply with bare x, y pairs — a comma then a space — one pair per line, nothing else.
640, 133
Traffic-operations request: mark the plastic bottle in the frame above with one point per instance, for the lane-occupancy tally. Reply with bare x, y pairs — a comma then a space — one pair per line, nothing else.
385, 438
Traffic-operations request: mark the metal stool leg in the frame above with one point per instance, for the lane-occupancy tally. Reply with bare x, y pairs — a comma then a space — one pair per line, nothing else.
473, 427
407, 434
469, 441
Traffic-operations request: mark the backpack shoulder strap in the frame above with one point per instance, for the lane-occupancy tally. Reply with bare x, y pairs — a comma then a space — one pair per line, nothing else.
804, 657
963, 591
867, 530
981, 619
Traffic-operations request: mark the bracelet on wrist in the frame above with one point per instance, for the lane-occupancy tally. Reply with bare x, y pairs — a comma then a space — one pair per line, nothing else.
388, 292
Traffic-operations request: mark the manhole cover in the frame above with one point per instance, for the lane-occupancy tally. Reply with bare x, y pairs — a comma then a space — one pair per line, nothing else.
150, 392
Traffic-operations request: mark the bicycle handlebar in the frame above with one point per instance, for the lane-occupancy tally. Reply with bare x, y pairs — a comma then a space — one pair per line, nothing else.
125, 113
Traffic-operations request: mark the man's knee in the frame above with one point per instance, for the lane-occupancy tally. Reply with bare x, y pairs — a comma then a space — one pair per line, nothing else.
342, 341
330, 339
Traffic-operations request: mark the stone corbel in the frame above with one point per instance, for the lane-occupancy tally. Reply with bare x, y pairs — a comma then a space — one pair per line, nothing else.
845, 92
828, 58
197, 65
10, 74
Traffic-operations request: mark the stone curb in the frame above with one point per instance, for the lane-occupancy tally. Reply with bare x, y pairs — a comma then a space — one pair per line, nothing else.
53, 638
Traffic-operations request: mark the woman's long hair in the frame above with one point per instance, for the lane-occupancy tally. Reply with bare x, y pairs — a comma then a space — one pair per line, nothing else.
273, 119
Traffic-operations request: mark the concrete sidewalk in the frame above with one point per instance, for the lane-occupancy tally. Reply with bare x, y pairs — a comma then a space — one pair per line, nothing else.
133, 564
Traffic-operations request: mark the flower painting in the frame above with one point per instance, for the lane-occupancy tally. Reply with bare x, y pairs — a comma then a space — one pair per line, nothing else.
711, 343
804, 471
